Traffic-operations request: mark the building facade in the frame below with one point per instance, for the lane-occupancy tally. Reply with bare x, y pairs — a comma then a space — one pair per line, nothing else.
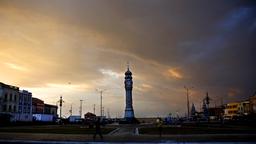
25, 106
231, 110
252, 106
51, 109
37, 106
216, 113
244, 108
43, 112
9, 100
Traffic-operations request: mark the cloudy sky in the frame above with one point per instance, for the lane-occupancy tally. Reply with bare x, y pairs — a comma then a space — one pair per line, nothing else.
72, 47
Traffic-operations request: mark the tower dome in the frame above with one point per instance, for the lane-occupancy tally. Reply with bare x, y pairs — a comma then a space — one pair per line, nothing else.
128, 72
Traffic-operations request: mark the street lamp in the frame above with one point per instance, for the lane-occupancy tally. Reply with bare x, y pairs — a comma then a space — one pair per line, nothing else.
187, 90
101, 93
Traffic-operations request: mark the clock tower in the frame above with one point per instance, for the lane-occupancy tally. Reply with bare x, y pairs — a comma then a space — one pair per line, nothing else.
129, 113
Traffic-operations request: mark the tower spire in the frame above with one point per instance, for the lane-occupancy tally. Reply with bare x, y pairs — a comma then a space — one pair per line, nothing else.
128, 65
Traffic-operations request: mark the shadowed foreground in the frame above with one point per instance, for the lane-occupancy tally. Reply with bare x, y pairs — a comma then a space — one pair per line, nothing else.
126, 133
129, 138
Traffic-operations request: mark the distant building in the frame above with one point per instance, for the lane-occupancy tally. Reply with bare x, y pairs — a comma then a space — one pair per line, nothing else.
252, 106
74, 118
37, 106
51, 109
43, 112
216, 113
25, 106
244, 108
43, 117
89, 116
9, 100
231, 110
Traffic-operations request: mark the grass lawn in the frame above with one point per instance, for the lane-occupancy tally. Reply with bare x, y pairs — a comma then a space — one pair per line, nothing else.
198, 130
56, 129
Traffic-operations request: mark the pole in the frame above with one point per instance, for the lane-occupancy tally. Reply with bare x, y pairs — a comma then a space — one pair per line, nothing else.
81, 108
61, 101
94, 108
70, 110
103, 113
101, 103
108, 114
101, 93
187, 90
188, 104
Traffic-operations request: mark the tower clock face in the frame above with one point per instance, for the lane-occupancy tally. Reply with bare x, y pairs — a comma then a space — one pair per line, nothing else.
129, 83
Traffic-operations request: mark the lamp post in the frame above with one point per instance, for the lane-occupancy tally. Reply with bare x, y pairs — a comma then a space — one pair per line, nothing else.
187, 90
61, 102
101, 93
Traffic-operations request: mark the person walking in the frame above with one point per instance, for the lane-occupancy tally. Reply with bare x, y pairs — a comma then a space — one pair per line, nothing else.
160, 126
97, 129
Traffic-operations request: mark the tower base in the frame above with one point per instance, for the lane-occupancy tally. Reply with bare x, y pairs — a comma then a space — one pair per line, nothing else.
129, 113
129, 121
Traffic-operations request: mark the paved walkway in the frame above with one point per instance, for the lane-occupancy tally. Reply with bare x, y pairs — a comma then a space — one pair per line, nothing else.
125, 130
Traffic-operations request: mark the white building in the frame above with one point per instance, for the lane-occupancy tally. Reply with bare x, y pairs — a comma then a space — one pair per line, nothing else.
9, 100
25, 106
15, 103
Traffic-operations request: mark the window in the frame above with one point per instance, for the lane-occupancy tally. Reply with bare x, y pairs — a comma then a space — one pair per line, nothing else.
4, 108
10, 108
20, 109
5, 97
10, 97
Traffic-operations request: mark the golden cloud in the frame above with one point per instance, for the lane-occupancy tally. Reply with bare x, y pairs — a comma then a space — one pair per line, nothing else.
174, 73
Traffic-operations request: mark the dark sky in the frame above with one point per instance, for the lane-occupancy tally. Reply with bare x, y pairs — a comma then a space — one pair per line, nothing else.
209, 45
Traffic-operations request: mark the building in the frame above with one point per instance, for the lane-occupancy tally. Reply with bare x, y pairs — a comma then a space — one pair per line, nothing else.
129, 113
51, 109
9, 100
252, 106
74, 119
25, 106
37, 106
90, 116
231, 110
216, 113
43, 112
43, 118
244, 108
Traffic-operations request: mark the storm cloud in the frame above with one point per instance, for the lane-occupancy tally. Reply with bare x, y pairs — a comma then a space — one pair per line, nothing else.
209, 45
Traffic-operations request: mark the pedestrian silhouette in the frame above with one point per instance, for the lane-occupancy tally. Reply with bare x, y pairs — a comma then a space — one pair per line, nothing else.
160, 126
97, 129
